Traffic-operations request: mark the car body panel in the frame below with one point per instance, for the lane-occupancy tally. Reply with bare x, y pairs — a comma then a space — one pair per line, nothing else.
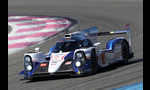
59, 62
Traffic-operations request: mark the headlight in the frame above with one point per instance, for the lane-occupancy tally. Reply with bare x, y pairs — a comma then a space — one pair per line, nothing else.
27, 59
28, 63
80, 59
78, 63
79, 55
29, 67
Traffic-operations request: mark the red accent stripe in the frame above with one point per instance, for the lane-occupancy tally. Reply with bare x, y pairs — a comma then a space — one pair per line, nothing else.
51, 56
88, 57
63, 57
34, 61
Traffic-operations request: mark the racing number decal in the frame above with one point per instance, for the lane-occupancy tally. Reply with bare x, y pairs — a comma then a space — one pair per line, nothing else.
103, 56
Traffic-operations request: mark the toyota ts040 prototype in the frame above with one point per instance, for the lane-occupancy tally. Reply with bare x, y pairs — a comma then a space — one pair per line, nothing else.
78, 53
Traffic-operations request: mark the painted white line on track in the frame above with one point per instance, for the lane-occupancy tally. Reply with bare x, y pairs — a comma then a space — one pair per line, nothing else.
30, 30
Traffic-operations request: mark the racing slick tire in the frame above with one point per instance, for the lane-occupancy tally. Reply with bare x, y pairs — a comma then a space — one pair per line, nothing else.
125, 51
94, 62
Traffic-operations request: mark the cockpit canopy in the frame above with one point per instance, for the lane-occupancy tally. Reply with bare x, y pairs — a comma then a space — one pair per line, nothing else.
71, 44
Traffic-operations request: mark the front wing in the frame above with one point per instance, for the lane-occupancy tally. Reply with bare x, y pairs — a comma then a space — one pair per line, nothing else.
41, 70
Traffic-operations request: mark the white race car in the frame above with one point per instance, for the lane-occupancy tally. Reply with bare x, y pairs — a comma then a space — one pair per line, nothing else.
77, 54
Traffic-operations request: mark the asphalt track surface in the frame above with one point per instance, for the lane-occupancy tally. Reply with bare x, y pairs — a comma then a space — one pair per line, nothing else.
107, 15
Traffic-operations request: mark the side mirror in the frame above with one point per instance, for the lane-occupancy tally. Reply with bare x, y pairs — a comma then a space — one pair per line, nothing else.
37, 49
47, 57
97, 44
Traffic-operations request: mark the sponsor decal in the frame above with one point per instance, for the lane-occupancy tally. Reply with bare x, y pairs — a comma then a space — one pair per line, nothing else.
111, 32
57, 57
43, 64
67, 63
63, 57
54, 61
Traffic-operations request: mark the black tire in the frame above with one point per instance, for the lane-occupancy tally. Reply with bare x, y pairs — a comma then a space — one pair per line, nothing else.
125, 51
94, 62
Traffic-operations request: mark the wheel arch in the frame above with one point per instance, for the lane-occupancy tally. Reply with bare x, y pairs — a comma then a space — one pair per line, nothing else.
110, 44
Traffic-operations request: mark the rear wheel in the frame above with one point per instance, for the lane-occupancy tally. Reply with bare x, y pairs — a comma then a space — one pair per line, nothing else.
94, 62
125, 52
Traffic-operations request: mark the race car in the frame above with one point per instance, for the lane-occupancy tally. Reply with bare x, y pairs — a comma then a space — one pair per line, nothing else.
78, 53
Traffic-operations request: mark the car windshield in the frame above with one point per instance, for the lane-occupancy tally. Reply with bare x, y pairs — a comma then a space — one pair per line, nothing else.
67, 46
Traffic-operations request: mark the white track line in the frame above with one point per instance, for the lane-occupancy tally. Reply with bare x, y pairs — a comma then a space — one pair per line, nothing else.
28, 22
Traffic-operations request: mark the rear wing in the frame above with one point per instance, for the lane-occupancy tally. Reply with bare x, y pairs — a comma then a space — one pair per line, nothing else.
127, 31
116, 32
92, 33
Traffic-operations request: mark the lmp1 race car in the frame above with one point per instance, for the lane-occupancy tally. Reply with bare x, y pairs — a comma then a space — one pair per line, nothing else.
78, 54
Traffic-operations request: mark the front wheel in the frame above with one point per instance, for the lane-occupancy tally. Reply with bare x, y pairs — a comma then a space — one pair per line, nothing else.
94, 62
125, 52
